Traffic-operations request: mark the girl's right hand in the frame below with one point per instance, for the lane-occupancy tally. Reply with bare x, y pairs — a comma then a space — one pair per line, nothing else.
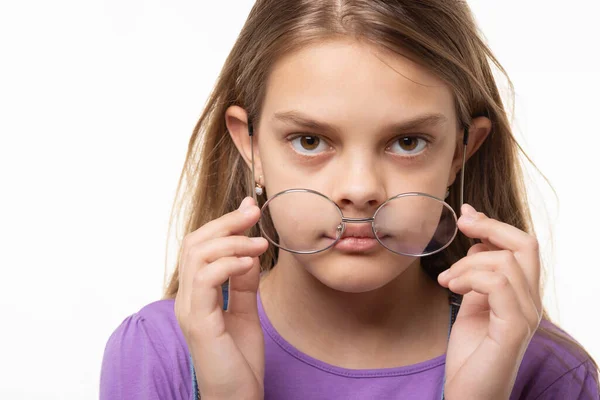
227, 347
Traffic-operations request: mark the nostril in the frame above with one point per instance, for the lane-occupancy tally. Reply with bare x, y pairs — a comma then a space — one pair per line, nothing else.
351, 207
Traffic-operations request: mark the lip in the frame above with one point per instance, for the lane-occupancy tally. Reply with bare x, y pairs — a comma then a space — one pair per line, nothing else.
363, 232
356, 244
357, 239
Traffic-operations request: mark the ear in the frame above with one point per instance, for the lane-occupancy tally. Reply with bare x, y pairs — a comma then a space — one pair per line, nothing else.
479, 130
236, 120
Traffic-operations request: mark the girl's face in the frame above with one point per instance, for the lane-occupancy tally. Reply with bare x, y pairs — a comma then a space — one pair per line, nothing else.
359, 125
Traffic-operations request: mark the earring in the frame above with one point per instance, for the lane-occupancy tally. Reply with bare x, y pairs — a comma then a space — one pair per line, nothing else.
258, 189
447, 192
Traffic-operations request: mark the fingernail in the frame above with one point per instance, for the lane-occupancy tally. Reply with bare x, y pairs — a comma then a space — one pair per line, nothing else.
257, 239
444, 273
468, 213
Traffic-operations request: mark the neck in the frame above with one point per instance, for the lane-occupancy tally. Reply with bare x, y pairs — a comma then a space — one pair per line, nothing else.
400, 323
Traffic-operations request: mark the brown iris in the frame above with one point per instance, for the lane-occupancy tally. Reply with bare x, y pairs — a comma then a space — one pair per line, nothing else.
309, 142
408, 143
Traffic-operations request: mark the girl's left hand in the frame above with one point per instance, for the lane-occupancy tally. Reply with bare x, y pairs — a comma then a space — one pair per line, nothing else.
501, 308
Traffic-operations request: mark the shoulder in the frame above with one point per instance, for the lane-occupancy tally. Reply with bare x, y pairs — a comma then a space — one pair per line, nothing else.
146, 356
153, 325
159, 316
554, 368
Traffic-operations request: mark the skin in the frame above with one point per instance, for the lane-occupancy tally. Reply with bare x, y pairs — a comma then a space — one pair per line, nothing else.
372, 310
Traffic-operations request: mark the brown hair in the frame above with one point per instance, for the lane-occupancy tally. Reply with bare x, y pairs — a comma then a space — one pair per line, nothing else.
444, 37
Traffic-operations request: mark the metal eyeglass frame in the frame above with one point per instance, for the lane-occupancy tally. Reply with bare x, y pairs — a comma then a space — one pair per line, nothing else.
345, 220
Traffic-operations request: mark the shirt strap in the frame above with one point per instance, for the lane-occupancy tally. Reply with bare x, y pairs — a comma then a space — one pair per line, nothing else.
455, 301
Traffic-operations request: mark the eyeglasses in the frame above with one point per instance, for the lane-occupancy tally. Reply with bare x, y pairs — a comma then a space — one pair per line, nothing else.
304, 221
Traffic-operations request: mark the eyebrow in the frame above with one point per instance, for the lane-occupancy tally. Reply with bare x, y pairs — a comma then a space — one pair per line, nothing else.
421, 121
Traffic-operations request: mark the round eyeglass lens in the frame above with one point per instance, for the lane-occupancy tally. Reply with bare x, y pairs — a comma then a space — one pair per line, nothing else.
303, 221
415, 224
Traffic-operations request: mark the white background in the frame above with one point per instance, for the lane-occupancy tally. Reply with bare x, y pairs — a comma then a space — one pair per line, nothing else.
97, 101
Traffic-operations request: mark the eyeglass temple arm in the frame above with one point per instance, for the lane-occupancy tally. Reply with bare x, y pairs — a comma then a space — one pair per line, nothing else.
462, 171
251, 134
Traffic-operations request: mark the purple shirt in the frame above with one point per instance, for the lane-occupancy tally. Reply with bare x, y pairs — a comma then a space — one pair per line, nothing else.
147, 358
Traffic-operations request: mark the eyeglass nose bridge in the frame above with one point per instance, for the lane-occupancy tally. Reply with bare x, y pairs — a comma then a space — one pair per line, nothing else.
357, 220
342, 226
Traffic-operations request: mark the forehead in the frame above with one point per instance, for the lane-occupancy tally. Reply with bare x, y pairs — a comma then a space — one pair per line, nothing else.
344, 81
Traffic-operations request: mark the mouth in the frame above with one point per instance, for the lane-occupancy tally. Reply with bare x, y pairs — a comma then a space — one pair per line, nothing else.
354, 244
357, 239
358, 232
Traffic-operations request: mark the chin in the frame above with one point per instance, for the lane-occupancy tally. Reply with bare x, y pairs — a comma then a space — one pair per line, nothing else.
357, 273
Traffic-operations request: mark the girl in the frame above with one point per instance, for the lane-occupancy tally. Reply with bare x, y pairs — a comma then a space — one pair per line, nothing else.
327, 175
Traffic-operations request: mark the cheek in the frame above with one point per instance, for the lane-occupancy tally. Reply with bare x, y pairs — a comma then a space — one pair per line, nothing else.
281, 173
430, 177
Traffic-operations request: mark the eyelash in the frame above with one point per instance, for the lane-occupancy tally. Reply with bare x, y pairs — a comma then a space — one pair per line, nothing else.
291, 139
409, 157
413, 157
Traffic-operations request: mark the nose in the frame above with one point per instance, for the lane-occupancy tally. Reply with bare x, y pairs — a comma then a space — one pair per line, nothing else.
359, 185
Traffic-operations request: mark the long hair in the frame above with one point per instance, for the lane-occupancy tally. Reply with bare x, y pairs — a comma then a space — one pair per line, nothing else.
441, 34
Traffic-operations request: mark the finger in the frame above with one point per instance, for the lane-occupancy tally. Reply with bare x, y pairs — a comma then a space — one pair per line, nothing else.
478, 248
205, 253
487, 243
504, 236
478, 226
500, 261
232, 223
238, 246
490, 245
504, 262
501, 294
243, 291
229, 224
207, 283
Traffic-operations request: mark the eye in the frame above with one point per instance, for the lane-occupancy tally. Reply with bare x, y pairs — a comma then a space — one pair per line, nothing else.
308, 144
408, 145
